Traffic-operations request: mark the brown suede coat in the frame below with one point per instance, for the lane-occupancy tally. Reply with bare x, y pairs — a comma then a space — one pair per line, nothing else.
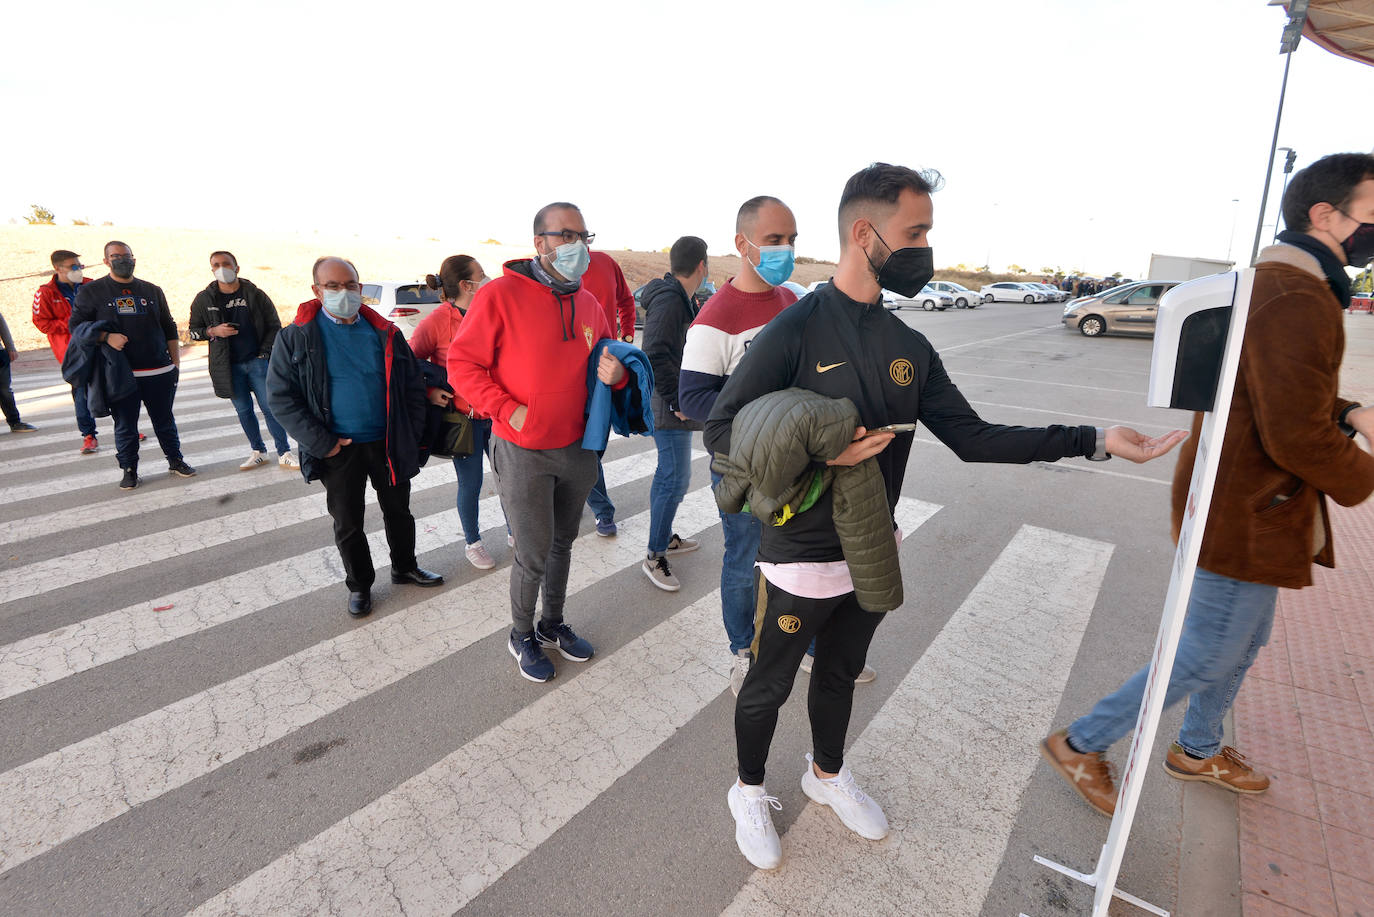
1282, 453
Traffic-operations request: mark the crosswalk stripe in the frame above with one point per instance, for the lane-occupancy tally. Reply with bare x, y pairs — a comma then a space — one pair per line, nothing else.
143, 758
528, 777
36, 385
951, 751
187, 438
83, 566
145, 501
48, 657
68, 435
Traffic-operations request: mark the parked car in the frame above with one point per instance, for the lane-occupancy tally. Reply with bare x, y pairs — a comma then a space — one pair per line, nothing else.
403, 303
1126, 309
1008, 291
1055, 294
929, 299
964, 298
797, 288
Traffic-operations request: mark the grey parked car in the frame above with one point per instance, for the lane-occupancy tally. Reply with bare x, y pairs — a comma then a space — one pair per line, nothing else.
1127, 309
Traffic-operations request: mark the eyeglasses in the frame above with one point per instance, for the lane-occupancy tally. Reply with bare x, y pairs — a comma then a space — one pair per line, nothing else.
569, 236
333, 287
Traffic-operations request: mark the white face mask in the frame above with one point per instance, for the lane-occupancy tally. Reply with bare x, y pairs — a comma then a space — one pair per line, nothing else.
74, 275
226, 275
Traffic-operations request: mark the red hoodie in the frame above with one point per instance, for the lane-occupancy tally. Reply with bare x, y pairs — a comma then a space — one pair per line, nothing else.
523, 343
606, 282
51, 312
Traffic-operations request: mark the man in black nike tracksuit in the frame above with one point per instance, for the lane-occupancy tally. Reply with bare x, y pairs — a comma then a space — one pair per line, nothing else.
840, 341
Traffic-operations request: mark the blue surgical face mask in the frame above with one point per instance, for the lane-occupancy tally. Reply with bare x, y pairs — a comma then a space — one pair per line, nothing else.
571, 259
775, 263
342, 303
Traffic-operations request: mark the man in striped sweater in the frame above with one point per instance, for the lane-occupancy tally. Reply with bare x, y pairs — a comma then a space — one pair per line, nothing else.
765, 232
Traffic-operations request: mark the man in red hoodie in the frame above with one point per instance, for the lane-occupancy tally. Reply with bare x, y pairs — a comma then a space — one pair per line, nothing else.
52, 308
520, 357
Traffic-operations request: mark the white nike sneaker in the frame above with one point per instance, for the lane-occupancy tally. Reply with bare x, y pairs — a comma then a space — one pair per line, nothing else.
855, 809
754, 831
253, 461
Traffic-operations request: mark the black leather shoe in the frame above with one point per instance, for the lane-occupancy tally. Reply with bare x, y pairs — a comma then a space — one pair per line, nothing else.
359, 604
417, 577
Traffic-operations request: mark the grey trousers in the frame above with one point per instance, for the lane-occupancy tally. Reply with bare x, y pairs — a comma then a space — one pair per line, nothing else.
542, 492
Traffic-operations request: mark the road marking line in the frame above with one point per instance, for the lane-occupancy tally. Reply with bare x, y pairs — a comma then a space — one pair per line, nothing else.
48, 657
438, 840
1000, 337
1090, 388
950, 753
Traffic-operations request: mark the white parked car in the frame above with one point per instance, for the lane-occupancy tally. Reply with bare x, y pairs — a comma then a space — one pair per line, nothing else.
1056, 294
964, 298
403, 303
797, 288
928, 299
1008, 291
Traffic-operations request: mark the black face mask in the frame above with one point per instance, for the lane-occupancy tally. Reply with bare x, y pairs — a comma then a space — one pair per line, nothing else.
1359, 248
906, 270
123, 267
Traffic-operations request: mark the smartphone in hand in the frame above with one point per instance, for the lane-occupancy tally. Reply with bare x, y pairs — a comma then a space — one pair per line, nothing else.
893, 428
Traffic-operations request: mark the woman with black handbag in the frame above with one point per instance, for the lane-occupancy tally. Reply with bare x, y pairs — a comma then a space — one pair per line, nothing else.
459, 278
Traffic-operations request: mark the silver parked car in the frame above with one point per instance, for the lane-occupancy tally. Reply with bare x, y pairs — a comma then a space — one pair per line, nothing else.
1128, 309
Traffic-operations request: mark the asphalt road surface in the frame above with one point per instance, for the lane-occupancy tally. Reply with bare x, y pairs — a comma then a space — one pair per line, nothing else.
192, 723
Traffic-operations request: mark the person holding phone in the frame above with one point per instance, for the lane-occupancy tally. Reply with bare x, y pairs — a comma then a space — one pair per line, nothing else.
241, 324
840, 342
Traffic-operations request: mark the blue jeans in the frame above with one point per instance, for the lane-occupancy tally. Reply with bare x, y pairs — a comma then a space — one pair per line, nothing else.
469, 470
737, 596
1228, 621
598, 499
671, 478
84, 421
249, 379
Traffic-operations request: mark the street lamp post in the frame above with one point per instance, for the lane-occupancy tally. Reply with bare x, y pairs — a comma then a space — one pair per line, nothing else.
1290, 157
1292, 34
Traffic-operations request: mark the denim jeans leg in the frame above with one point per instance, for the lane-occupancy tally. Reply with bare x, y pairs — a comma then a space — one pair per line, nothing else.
669, 486
737, 596
1203, 725
599, 500
159, 394
1208, 653
257, 377
242, 399
84, 421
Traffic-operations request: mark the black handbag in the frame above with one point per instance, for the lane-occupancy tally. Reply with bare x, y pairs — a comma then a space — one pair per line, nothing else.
454, 439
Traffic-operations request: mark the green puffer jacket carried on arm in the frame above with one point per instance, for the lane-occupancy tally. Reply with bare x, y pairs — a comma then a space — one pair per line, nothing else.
779, 446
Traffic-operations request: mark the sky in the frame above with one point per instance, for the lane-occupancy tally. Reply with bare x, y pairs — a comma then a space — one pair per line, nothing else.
1075, 134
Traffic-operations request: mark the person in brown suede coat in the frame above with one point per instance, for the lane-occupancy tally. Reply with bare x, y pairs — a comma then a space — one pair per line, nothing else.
1288, 445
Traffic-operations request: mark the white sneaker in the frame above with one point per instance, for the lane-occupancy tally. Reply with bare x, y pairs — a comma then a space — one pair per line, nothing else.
478, 556
854, 808
742, 662
253, 461
679, 545
658, 572
288, 460
754, 831
867, 675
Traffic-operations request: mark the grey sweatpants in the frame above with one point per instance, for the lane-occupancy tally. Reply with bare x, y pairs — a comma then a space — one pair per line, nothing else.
542, 492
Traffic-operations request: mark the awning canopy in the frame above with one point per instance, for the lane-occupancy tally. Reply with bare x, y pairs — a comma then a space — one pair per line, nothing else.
1344, 27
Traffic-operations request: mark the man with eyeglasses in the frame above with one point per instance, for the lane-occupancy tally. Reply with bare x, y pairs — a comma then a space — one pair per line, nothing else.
52, 310
138, 323
521, 358
344, 384
606, 282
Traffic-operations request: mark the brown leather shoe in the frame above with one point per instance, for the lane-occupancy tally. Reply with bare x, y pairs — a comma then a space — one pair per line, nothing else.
1089, 774
1226, 769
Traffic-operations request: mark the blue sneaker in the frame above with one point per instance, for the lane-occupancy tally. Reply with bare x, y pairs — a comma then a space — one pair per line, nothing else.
529, 658
560, 636
605, 529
